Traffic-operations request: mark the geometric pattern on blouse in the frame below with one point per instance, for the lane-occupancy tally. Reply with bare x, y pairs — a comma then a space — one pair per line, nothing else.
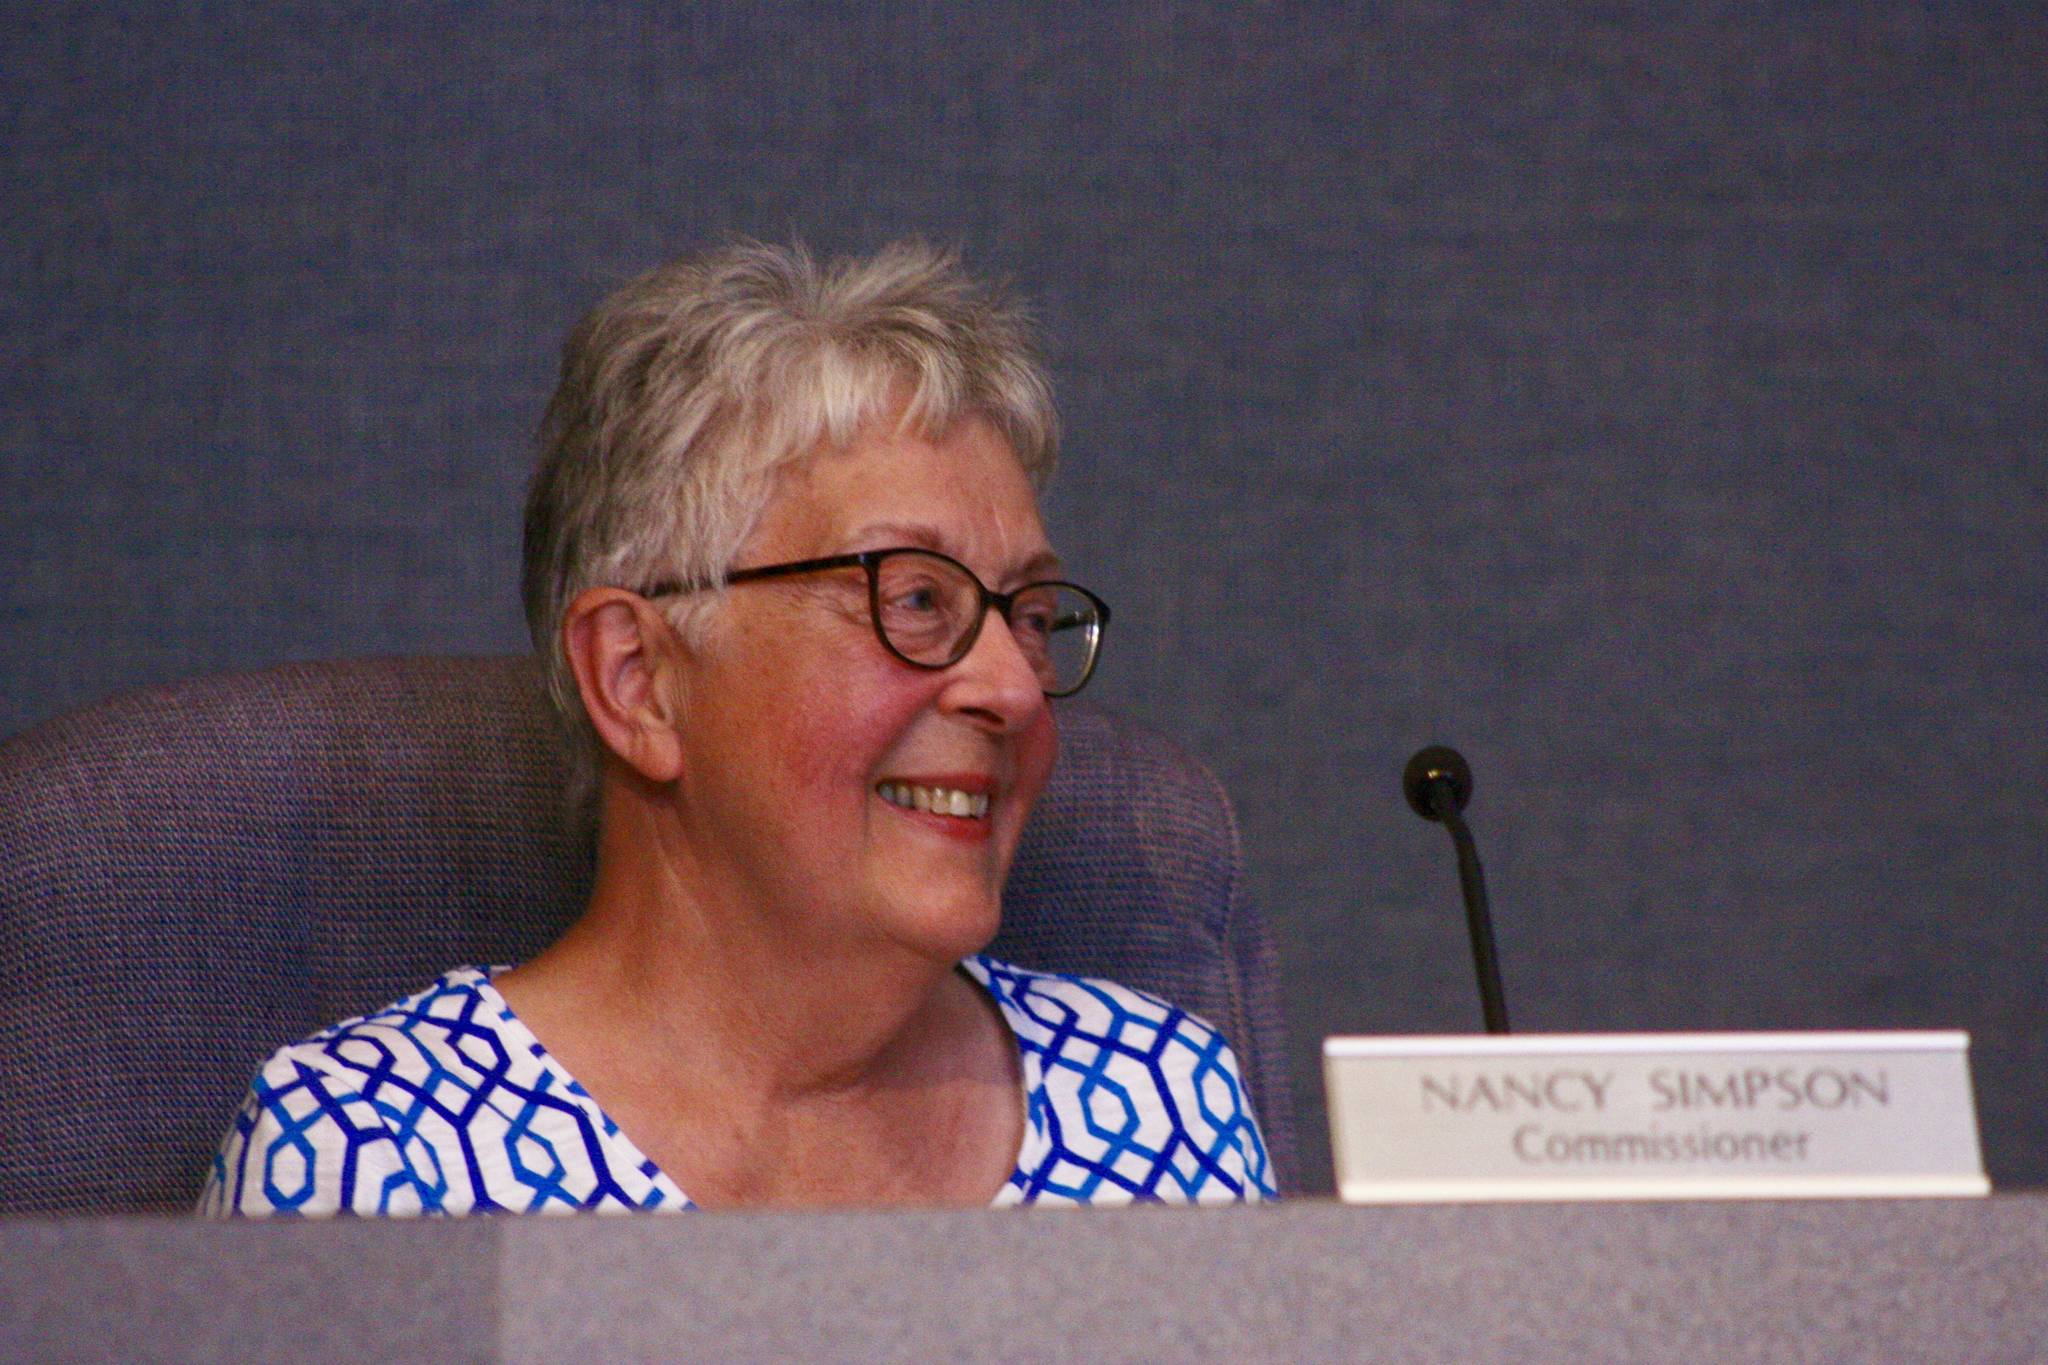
1128, 1098
445, 1103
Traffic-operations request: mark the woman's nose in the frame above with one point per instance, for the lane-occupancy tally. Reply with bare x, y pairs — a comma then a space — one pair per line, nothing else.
995, 679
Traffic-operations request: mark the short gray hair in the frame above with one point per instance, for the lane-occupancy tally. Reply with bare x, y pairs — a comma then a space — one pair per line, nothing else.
683, 393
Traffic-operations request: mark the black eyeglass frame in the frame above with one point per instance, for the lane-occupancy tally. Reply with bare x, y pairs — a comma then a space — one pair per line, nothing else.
871, 560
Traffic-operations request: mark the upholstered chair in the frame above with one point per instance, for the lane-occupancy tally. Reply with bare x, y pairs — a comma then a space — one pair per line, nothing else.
193, 875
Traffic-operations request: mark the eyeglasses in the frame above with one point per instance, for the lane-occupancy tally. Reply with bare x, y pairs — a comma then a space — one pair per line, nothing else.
928, 610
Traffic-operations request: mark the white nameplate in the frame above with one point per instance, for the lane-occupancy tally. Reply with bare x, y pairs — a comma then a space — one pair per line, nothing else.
1652, 1116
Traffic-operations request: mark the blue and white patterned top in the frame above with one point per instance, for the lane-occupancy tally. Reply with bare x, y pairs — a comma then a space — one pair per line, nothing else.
444, 1103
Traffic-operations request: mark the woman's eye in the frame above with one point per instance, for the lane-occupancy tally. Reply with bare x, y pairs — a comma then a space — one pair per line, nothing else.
1034, 619
915, 599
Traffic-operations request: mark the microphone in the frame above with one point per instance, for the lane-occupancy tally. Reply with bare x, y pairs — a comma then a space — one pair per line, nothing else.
1438, 783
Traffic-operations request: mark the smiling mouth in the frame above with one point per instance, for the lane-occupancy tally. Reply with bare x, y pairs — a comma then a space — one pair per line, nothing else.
935, 800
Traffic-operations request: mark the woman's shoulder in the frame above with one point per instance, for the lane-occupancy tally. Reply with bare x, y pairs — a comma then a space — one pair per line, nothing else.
1130, 1096
421, 1106
453, 1034
457, 1006
1039, 1002
323, 1129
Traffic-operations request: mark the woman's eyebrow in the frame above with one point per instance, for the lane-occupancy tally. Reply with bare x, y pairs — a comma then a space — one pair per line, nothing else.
884, 534
1044, 564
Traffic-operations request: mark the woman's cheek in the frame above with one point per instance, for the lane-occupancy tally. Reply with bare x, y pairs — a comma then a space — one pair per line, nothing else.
1038, 747
846, 735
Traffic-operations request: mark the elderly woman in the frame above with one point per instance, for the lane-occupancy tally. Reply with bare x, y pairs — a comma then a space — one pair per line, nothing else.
787, 577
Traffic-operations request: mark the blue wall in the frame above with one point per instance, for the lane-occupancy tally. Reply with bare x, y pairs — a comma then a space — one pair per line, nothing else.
1650, 403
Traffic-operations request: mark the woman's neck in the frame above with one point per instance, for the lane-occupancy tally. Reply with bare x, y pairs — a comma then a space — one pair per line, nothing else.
753, 1063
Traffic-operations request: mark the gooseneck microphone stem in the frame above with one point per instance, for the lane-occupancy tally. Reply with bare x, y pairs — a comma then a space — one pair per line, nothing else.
1438, 783
1478, 919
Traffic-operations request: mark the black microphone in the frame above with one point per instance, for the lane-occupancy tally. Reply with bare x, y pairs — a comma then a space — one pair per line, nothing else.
1438, 783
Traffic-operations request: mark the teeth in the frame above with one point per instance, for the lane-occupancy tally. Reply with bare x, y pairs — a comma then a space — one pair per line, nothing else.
936, 800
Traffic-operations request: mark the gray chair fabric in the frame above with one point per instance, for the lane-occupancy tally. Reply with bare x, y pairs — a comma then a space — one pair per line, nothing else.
194, 874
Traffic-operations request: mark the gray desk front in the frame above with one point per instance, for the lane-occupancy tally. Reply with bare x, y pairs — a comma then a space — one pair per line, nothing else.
1906, 1280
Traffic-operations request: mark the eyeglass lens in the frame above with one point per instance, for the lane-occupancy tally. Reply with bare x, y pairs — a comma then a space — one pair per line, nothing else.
927, 608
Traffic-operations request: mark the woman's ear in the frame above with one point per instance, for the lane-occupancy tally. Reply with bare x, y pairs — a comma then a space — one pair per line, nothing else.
622, 652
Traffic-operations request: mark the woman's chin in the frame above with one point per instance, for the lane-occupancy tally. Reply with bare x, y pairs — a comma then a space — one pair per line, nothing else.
946, 930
